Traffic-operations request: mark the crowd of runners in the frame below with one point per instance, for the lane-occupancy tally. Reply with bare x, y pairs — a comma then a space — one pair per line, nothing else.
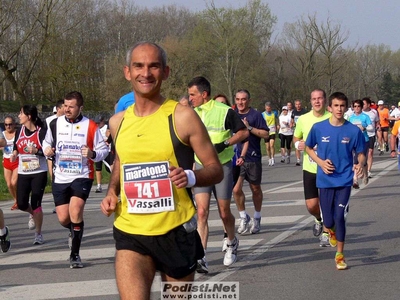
171, 157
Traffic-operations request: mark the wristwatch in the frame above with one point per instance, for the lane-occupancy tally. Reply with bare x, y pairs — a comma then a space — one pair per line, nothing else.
226, 143
250, 128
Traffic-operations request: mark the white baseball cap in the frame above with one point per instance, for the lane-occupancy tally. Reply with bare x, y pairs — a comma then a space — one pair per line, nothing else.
380, 102
284, 108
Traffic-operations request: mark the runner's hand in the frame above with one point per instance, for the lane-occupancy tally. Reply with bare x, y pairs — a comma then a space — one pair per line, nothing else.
86, 152
49, 152
108, 205
178, 177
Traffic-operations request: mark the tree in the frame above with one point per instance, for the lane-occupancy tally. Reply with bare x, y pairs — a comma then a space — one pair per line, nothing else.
26, 28
225, 36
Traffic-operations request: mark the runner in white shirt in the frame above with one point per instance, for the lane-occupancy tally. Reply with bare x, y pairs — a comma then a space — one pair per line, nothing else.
374, 116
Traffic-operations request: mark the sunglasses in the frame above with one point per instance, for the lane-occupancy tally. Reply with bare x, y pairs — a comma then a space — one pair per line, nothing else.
10, 124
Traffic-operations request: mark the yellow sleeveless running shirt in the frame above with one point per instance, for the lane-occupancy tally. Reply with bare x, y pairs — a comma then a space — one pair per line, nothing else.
144, 145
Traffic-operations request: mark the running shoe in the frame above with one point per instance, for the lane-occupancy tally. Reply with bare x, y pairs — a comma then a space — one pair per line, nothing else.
332, 238
224, 244
14, 207
75, 261
387, 147
369, 174
70, 241
38, 239
269, 162
380, 152
282, 159
54, 210
255, 225
231, 253
317, 228
5, 243
298, 162
99, 189
365, 180
288, 160
244, 225
324, 240
202, 266
31, 223
340, 262
272, 161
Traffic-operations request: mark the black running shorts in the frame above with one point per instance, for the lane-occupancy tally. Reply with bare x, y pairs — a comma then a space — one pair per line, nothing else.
80, 187
310, 185
174, 253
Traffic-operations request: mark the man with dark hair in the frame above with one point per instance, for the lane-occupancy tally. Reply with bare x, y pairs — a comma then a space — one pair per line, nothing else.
251, 170
155, 227
374, 117
75, 143
336, 139
225, 129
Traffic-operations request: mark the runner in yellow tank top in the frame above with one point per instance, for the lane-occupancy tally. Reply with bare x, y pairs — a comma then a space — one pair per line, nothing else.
153, 139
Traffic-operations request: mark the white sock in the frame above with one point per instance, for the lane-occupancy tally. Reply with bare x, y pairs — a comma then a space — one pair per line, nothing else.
257, 214
242, 214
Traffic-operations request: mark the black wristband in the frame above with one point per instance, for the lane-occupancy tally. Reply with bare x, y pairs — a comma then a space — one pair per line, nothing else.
93, 155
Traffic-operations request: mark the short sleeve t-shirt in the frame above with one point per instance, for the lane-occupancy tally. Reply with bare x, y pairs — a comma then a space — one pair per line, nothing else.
303, 127
336, 143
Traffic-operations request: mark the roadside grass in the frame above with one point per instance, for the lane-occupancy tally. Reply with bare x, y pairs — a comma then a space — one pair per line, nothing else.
5, 195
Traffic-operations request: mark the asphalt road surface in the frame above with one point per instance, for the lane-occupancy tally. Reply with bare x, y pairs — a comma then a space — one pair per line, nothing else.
284, 261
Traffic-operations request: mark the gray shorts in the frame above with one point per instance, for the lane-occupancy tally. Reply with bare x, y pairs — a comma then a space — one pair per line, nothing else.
251, 172
222, 190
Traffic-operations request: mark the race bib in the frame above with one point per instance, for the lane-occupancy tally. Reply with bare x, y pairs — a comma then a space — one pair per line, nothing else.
29, 162
147, 187
70, 158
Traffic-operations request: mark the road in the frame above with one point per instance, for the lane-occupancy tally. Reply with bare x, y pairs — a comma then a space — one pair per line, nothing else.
284, 261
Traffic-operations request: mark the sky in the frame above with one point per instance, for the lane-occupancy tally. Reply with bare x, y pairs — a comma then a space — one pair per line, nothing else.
366, 21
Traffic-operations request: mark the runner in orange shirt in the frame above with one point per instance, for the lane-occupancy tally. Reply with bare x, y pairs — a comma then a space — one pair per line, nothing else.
382, 133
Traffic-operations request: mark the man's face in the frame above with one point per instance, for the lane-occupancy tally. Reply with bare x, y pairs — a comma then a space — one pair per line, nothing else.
366, 106
146, 71
297, 104
289, 106
242, 101
338, 108
71, 109
195, 97
268, 108
318, 101
357, 108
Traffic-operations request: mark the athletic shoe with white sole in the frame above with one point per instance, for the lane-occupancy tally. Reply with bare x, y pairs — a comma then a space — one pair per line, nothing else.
38, 239
244, 225
317, 228
5, 243
202, 266
255, 225
75, 262
231, 253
